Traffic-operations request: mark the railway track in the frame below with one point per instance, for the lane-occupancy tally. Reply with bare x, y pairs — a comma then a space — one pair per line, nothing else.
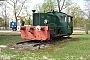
34, 45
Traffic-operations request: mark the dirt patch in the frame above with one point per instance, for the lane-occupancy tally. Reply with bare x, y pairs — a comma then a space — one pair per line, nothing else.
29, 45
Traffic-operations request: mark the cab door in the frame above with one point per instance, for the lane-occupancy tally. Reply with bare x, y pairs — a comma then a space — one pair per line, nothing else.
70, 25
63, 24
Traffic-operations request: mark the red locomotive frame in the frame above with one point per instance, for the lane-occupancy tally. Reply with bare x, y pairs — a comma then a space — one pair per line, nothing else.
35, 32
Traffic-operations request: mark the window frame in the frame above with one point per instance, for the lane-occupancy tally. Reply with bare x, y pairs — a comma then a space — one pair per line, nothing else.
63, 18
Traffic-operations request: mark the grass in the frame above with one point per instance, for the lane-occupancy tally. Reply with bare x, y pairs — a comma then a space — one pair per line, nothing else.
78, 48
9, 39
9, 33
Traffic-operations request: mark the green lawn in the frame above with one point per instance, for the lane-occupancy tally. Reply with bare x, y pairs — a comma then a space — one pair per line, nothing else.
78, 48
10, 39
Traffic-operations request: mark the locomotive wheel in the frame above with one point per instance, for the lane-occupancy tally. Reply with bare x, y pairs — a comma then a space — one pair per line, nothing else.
14, 29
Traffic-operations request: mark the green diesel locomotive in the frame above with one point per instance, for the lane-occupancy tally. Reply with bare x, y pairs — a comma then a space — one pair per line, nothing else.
47, 25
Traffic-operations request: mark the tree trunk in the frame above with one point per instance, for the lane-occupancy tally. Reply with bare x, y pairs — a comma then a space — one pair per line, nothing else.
86, 29
5, 18
58, 5
15, 13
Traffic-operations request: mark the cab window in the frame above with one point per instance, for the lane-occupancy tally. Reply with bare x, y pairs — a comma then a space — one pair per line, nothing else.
62, 18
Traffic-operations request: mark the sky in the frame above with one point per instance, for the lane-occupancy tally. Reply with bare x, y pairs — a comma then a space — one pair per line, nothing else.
79, 2
32, 3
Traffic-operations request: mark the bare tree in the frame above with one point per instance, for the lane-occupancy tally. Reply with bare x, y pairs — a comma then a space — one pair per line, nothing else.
62, 4
4, 13
17, 6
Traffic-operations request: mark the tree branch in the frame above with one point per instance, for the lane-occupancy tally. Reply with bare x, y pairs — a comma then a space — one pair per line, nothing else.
9, 3
21, 7
63, 4
12, 1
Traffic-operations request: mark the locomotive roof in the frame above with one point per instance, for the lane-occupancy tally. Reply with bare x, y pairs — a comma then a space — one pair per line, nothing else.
55, 12
59, 12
